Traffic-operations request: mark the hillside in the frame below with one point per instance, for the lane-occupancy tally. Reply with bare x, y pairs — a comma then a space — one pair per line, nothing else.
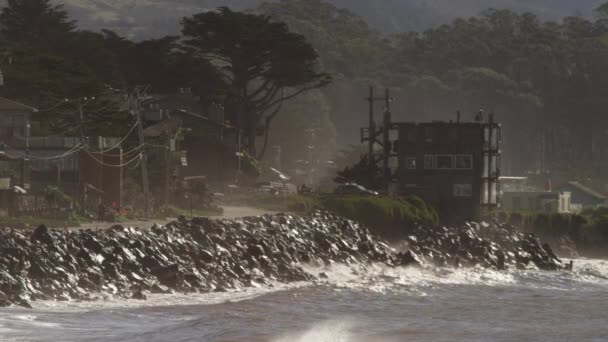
404, 15
151, 18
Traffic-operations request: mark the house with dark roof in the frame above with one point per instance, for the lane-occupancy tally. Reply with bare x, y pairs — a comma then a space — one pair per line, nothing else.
202, 142
36, 163
583, 197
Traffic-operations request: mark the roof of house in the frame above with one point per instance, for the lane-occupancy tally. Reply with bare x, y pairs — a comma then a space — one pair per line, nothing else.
7, 105
158, 129
587, 190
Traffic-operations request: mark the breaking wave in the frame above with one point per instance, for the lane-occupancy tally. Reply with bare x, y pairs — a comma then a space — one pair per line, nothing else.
328, 331
375, 278
169, 315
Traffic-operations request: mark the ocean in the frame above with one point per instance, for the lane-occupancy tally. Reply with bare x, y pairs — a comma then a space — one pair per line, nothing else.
355, 304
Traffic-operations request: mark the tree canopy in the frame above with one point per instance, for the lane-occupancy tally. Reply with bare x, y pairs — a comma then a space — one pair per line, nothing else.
546, 81
262, 63
35, 22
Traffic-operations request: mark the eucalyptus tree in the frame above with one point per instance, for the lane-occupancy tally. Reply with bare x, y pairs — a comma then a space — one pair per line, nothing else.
261, 62
37, 23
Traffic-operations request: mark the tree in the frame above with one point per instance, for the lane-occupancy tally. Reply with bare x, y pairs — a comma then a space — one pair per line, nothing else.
35, 22
362, 174
106, 113
602, 10
261, 62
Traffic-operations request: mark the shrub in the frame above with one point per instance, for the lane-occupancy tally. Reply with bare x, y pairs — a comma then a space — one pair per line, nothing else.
385, 214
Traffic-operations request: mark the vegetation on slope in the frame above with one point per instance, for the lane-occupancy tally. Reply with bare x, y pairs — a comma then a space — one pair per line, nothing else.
386, 215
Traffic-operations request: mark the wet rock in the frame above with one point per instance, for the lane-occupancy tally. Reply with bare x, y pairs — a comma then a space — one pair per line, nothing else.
41, 234
202, 255
139, 295
486, 244
256, 250
160, 289
408, 258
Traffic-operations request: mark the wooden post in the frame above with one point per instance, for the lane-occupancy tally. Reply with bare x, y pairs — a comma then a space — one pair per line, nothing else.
144, 159
372, 130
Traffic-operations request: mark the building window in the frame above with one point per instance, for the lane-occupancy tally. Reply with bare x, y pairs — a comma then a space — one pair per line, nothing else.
429, 162
444, 162
463, 190
411, 163
463, 162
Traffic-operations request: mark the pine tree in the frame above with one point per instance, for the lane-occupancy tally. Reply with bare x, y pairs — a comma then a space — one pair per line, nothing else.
36, 23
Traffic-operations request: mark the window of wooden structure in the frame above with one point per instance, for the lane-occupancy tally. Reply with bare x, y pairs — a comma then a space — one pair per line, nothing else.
411, 163
463, 190
444, 162
463, 162
429, 162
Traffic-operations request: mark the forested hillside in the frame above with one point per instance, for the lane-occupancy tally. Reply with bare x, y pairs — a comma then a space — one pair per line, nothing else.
154, 18
546, 81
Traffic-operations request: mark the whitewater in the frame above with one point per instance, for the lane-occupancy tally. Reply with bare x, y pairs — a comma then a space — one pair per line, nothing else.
353, 304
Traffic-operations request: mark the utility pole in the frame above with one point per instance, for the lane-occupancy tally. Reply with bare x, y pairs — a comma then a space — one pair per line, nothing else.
311, 159
372, 130
26, 160
386, 141
80, 119
168, 166
82, 194
239, 154
380, 137
144, 158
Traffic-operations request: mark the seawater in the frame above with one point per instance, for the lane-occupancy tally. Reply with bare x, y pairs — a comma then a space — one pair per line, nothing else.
355, 304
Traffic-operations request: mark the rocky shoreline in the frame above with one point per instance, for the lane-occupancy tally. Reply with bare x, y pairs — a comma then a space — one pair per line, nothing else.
492, 245
202, 255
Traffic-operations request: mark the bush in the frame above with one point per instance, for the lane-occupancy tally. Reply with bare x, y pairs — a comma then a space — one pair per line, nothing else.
386, 215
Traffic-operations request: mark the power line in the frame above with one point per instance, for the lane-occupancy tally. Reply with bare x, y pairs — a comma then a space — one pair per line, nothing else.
117, 145
101, 162
123, 154
60, 156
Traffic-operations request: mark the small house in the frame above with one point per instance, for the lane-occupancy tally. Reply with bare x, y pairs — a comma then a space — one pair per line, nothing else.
537, 201
583, 197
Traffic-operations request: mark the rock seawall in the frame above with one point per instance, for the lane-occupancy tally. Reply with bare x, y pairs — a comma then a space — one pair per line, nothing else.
202, 255
496, 245
197, 255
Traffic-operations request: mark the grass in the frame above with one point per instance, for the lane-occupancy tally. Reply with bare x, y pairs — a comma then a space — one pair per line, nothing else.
384, 214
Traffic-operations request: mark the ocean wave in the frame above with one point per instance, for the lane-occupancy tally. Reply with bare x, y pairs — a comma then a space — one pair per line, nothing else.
327, 331
587, 273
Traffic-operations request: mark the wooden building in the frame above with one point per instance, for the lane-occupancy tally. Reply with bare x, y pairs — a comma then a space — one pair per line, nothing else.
453, 166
